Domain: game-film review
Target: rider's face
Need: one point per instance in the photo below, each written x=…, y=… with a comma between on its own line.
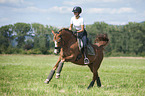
x=76, y=13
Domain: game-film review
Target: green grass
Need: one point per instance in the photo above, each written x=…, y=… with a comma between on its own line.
x=25, y=75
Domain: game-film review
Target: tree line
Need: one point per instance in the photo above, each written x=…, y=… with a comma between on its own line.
x=35, y=38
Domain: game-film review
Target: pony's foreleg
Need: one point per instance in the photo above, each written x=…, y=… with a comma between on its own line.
x=56, y=65
x=58, y=71
x=52, y=71
x=70, y=58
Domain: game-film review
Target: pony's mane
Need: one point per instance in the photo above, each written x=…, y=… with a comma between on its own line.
x=66, y=29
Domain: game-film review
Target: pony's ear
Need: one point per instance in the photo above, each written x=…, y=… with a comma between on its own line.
x=53, y=32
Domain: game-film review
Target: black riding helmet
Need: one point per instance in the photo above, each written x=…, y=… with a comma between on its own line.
x=77, y=9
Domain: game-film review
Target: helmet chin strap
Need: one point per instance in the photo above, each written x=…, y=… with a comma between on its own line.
x=77, y=15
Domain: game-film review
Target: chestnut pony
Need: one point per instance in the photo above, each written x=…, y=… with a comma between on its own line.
x=66, y=42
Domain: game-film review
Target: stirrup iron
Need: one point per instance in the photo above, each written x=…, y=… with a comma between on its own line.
x=86, y=60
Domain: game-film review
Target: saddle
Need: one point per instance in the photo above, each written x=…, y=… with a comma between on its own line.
x=90, y=49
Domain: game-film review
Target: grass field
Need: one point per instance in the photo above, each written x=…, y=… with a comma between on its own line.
x=25, y=75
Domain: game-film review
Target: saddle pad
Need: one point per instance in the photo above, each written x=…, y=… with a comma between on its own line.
x=90, y=49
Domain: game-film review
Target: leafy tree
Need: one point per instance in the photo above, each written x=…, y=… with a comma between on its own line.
x=96, y=28
x=124, y=39
x=43, y=36
x=29, y=44
x=5, y=37
x=21, y=29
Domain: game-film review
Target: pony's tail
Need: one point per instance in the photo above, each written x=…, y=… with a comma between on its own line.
x=101, y=40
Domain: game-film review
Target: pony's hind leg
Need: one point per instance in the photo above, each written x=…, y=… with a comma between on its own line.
x=91, y=84
x=94, y=69
x=98, y=82
x=97, y=78
x=94, y=76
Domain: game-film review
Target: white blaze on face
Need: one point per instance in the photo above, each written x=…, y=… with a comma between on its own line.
x=55, y=44
x=55, y=50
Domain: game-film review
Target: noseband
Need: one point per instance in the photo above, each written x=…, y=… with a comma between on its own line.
x=57, y=48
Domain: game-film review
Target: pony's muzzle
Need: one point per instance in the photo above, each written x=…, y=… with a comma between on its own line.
x=56, y=50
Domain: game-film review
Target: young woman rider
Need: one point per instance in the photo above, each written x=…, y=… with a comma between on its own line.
x=78, y=23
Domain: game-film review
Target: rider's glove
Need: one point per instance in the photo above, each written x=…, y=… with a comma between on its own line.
x=74, y=32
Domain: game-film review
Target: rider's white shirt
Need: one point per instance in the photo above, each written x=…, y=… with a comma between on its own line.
x=77, y=22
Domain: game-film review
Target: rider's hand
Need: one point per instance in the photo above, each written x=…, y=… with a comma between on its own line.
x=75, y=32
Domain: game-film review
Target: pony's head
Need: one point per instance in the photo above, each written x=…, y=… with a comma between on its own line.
x=57, y=41
x=61, y=38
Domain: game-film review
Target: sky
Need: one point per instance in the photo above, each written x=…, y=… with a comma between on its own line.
x=58, y=12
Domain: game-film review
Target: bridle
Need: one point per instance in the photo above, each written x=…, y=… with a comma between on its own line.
x=61, y=41
x=58, y=39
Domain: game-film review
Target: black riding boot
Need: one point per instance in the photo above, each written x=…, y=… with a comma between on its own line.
x=86, y=60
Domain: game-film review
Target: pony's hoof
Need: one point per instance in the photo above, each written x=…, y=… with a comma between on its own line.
x=91, y=85
x=46, y=81
x=57, y=76
x=98, y=82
